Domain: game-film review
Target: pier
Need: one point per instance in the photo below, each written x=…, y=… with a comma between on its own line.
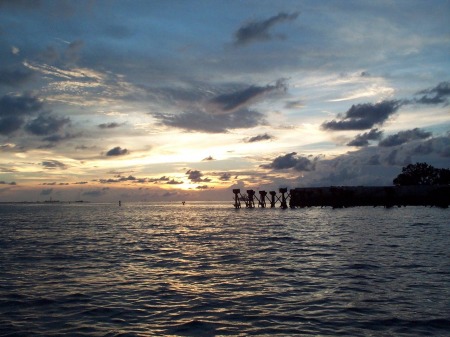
x=347, y=196
x=249, y=199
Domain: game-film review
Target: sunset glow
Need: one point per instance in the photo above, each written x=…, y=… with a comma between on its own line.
x=185, y=100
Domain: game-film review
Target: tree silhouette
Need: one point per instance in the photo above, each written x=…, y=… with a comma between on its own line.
x=422, y=174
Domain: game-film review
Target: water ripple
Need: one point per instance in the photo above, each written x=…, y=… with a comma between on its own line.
x=210, y=270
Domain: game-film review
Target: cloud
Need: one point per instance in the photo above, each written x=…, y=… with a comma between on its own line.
x=14, y=78
x=363, y=139
x=195, y=176
x=204, y=122
x=118, y=180
x=5, y=183
x=258, y=138
x=55, y=183
x=259, y=30
x=46, y=124
x=108, y=125
x=291, y=160
x=7, y=147
x=404, y=137
x=59, y=138
x=117, y=151
x=155, y=180
x=364, y=116
x=294, y=104
x=376, y=165
x=174, y=182
x=14, y=110
x=96, y=193
x=10, y=124
x=437, y=95
x=225, y=176
x=209, y=158
x=7, y=169
x=53, y=164
x=423, y=148
x=47, y=191
x=226, y=103
x=72, y=53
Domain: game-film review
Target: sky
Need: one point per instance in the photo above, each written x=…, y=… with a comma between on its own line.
x=185, y=100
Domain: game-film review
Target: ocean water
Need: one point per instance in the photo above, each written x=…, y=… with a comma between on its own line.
x=206, y=269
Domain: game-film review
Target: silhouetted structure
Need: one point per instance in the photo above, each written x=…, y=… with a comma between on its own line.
x=249, y=198
x=349, y=196
x=387, y=196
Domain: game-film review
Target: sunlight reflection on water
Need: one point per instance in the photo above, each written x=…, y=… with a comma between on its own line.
x=208, y=269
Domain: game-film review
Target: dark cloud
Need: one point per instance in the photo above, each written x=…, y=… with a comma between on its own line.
x=14, y=110
x=154, y=180
x=174, y=182
x=404, y=137
x=225, y=176
x=259, y=30
x=209, y=158
x=46, y=124
x=364, y=116
x=230, y=102
x=291, y=160
x=363, y=139
x=10, y=124
x=437, y=95
x=117, y=151
x=423, y=148
x=5, y=183
x=55, y=183
x=118, y=180
x=195, y=176
x=204, y=122
x=108, y=125
x=14, y=78
x=374, y=160
x=259, y=138
x=394, y=158
x=162, y=179
x=53, y=164
x=202, y=187
x=59, y=138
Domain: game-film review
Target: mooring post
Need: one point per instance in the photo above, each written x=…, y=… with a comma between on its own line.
x=237, y=202
x=283, y=198
x=251, y=202
x=262, y=198
x=272, y=200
